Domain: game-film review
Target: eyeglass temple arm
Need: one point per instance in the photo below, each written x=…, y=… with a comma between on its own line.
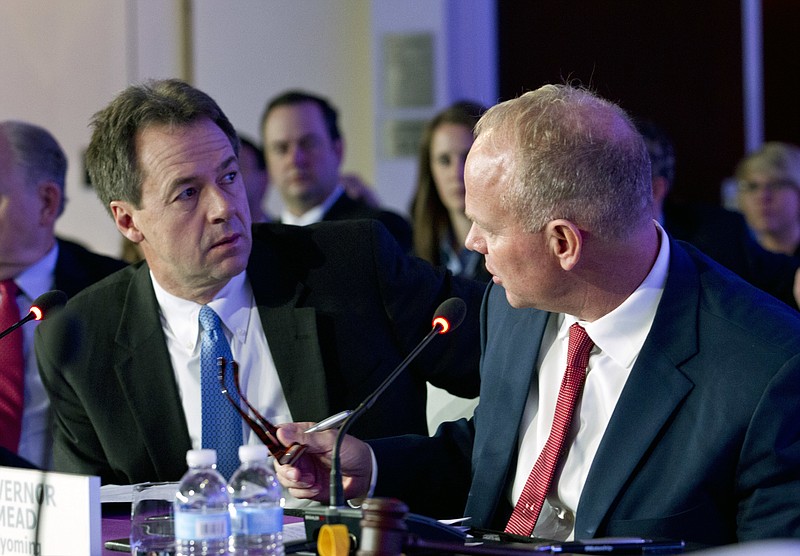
x=271, y=429
x=266, y=431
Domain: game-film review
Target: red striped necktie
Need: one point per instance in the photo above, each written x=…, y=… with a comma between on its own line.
x=12, y=369
x=530, y=502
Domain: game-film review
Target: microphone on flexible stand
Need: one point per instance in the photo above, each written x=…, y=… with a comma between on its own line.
x=448, y=316
x=40, y=309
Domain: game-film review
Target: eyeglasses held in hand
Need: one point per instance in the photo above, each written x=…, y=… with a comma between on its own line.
x=265, y=431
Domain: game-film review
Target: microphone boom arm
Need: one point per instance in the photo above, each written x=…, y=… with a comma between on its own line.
x=336, y=486
x=30, y=316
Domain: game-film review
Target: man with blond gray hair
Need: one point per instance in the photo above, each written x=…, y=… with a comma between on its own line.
x=677, y=414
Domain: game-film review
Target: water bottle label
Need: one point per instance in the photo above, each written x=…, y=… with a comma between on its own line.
x=257, y=521
x=202, y=526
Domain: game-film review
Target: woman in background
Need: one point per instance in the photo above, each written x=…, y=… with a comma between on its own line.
x=437, y=210
x=769, y=196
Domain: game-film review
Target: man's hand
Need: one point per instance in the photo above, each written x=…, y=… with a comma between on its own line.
x=309, y=477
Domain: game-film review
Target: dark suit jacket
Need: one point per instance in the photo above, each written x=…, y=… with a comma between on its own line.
x=341, y=306
x=10, y=459
x=724, y=236
x=346, y=208
x=77, y=267
x=703, y=445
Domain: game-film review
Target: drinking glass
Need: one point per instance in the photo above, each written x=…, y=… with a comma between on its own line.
x=152, y=523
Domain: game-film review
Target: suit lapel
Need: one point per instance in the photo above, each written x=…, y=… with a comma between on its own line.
x=292, y=337
x=146, y=377
x=291, y=332
x=651, y=395
x=512, y=348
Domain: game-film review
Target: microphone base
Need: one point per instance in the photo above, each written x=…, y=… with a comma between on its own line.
x=315, y=517
x=420, y=526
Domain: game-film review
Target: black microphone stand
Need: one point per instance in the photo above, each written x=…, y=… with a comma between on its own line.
x=31, y=315
x=337, y=488
x=39, y=310
x=448, y=317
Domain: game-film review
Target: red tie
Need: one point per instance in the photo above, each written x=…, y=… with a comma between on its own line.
x=12, y=368
x=530, y=502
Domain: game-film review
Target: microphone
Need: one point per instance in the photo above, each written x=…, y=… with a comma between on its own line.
x=40, y=309
x=448, y=316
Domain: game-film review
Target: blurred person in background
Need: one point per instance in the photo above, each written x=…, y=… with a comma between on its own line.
x=304, y=149
x=437, y=209
x=256, y=177
x=721, y=234
x=769, y=196
x=33, y=260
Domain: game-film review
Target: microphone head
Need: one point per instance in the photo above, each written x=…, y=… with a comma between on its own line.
x=450, y=314
x=46, y=302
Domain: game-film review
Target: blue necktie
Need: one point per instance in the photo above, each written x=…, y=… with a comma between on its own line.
x=222, y=426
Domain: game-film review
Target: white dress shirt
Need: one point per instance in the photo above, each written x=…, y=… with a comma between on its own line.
x=241, y=322
x=36, y=441
x=314, y=215
x=618, y=338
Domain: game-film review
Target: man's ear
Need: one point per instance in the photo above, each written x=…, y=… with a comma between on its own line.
x=565, y=241
x=123, y=218
x=50, y=195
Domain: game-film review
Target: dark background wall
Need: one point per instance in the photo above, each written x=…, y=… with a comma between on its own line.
x=782, y=70
x=677, y=63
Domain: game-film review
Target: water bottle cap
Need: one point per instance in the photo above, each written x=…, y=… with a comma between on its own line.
x=252, y=452
x=205, y=458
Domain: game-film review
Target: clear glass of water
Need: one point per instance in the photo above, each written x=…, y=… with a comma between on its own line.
x=152, y=522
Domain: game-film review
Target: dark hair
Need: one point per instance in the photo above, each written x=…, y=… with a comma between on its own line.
x=37, y=153
x=294, y=97
x=256, y=149
x=111, y=158
x=430, y=220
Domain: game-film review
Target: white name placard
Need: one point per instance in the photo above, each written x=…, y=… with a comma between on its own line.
x=49, y=514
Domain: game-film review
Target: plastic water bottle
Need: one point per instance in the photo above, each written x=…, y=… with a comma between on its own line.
x=256, y=511
x=202, y=519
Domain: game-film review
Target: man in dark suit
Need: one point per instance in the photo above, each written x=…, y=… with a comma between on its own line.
x=304, y=150
x=686, y=424
x=33, y=170
x=315, y=316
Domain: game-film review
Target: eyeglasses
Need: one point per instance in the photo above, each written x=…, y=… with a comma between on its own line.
x=771, y=186
x=265, y=431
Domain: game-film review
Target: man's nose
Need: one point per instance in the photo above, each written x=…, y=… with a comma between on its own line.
x=474, y=240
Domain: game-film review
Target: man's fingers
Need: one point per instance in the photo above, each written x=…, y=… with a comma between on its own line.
x=304, y=493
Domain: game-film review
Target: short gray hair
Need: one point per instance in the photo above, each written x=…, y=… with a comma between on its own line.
x=577, y=157
x=37, y=153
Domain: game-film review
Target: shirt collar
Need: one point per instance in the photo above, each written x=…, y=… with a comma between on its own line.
x=622, y=332
x=315, y=214
x=40, y=276
x=232, y=303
